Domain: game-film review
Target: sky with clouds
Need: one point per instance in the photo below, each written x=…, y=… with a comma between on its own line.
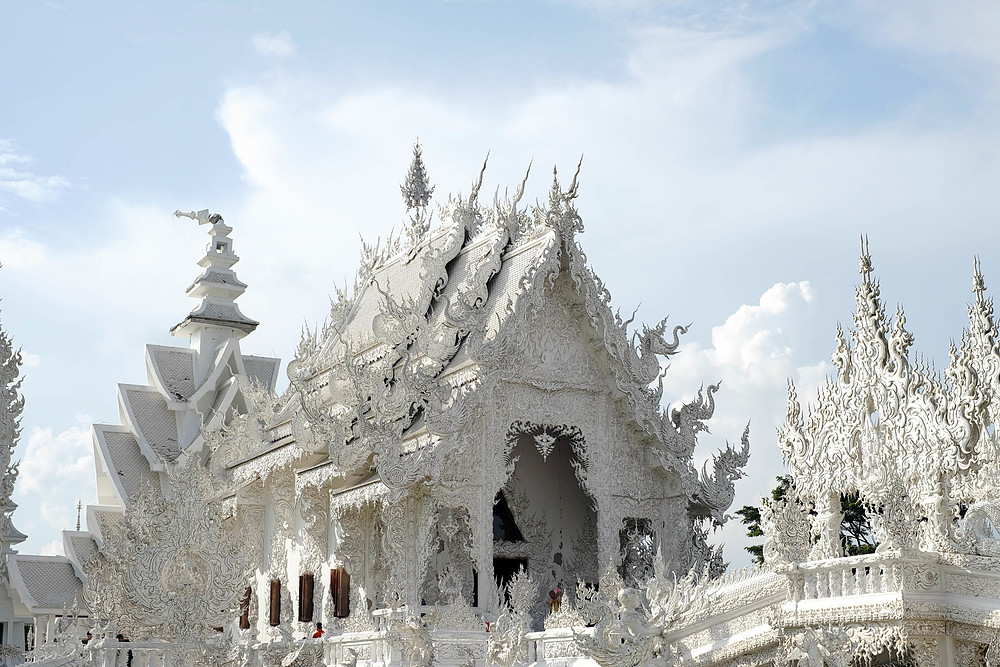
x=734, y=152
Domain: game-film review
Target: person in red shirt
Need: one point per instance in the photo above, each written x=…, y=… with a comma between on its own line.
x=319, y=631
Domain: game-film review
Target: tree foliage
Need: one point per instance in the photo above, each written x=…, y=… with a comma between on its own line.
x=855, y=529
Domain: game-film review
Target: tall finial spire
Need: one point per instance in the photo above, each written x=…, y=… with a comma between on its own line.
x=217, y=315
x=79, y=509
x=978, y=284
x=866, y=260
x=416, y=189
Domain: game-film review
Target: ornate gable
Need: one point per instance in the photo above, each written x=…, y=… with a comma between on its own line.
x=558, y=346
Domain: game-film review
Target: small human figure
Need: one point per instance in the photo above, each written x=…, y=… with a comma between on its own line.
x=555, y=599
x=87, y=640
x=121, y=639
x=319, y=631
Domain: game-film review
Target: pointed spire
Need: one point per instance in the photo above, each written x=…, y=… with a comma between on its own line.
x=978, y=284
x=474, y=194
x=79, y=509
x=217, y=287
x=866, y=260
x=574, y=187
x=416, y=189
x=555, y=192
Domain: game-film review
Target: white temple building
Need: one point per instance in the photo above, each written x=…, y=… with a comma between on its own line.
x=472, y=466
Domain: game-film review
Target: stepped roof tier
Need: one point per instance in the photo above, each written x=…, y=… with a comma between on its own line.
x=190, y=391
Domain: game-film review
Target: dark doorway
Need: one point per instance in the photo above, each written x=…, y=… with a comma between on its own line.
x=504, y=570
x=504, y=527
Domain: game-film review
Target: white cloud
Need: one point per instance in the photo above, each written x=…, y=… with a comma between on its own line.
x=753, y=352
x=17, y=180
x=966, y=28
x=53, y=548
x=20, y=253
x=273, y=44
x=56, y=471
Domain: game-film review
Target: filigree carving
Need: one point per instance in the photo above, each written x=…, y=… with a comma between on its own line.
x=787, y=533
x=507, y=644
x=172, y=568
x=913, y=445
x=408, y=635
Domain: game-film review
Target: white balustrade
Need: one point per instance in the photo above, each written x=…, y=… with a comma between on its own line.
x=851, y=577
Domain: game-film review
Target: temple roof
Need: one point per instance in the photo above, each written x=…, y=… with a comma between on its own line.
x=173, y=369
x=80, y=547
x=191, y=390
x=45, y=583
x=129, y=470
x=433, y=310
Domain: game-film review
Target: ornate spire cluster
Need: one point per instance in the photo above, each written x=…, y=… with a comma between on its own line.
x=910, y=441
x=417, y=189
x=217, y=287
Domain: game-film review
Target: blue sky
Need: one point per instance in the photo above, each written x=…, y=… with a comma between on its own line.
x=734, y=152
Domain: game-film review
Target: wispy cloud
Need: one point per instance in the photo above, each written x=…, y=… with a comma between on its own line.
x=53, y=548
x=17, y=179
x=273, y=43
x=57, y=470
x=20, y=253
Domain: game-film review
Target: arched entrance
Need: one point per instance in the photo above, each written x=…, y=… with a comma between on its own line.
x=543, y=518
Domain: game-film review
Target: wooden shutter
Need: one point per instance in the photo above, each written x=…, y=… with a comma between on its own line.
x=245, y=609
x=305, y=598
x=340, y=591
x=275, y=618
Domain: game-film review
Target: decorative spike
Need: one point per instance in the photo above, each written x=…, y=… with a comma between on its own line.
x=520, y=190
x=474, y=194
x=555, y=193
x=978, y=284
x=574, y=187
x=866, y=260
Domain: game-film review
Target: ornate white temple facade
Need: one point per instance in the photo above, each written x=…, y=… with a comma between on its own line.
x=471, y=466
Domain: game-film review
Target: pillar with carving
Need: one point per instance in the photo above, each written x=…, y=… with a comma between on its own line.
x=826, y=527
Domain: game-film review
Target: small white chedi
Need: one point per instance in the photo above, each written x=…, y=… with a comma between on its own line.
x=471, y=466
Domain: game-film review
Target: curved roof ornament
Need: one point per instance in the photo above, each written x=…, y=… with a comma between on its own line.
x=202, y=217
x=474, y=193
x=574, y=187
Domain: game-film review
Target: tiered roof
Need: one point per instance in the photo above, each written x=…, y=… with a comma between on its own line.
x=435, y=311
x=189, y=389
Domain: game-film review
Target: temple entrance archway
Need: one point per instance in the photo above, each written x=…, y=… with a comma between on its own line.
x=543, y=517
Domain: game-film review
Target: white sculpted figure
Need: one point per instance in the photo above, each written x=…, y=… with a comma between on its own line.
x=202, y=217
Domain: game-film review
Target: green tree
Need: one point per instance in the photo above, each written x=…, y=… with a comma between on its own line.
x=750, y=516
x=855, y=529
